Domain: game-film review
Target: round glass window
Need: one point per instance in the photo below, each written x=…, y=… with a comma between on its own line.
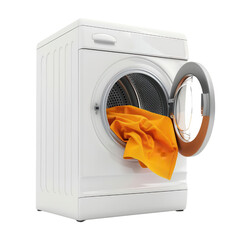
x=188, y=109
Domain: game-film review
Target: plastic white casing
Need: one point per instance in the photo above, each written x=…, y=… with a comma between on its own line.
x=77, y=175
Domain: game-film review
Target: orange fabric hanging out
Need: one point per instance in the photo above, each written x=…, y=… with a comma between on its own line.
x=149, y=137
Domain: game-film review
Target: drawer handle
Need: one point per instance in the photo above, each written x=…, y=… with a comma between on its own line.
x=103, y=38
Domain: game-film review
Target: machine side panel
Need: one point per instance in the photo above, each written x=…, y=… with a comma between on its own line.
x=57, y=122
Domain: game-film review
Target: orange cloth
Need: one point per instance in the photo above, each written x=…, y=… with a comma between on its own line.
x=149, y=137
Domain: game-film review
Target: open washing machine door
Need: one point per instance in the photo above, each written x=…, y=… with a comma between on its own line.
x=192, y=108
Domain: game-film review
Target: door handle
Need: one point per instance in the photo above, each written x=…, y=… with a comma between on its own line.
x=103, y=38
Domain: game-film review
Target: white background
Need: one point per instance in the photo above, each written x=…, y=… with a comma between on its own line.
x=213, y=32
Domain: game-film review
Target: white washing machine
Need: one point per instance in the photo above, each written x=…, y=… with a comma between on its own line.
x=87, y=67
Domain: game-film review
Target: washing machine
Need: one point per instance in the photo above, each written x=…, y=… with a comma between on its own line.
x=88, y=67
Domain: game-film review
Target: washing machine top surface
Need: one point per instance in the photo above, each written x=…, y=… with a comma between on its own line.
x=112, y=34
x=126, y=28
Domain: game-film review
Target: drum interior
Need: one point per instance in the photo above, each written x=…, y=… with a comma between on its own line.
x=141, y=91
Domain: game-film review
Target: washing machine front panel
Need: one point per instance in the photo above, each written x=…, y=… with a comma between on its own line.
x=192, y=108
x=102, y=168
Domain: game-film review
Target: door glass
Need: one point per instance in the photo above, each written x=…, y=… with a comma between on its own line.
x=187, y=109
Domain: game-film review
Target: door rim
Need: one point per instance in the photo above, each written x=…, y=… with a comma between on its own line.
x=200, y=141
